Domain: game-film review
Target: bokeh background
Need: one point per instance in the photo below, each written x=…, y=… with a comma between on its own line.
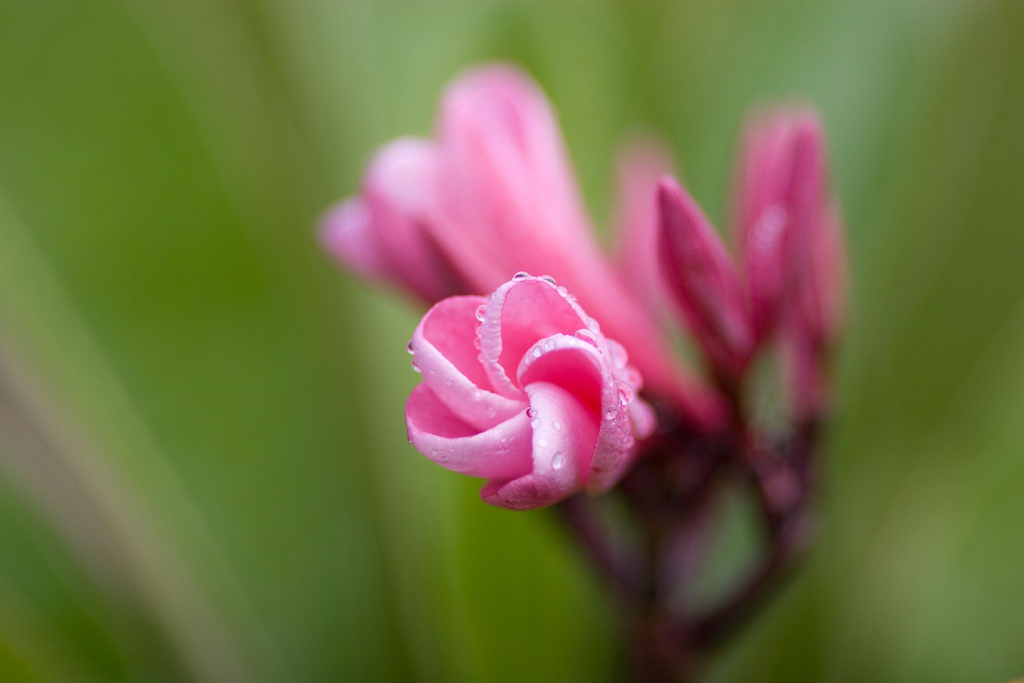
x=203, y=466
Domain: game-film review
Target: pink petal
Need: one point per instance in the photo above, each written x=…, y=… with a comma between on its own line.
x=346, y=232
x=699, y=274
x=582, y=369
x=561, y=456
x=401, y=191
x=641, y=164
x=443, y=350
x=507, y=166
x=502, y=452
x=519, y=313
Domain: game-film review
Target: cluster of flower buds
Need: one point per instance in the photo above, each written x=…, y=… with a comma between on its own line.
x=567, y=382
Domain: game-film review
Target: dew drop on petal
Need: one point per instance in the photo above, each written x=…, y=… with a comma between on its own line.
x=542, y=443
x=530, y=412
x=556, y=425
x=593, y=325
x=521, y=275
x=586, y=336
x=547, y=278
x=416, y=367
x=408, y=347
x=562, y=290
x=618, y=354
x=481, y=311
x=537, y=352
x=609, y=414
x=535, y=423
x=549, y=345
x=625, y=392
x=476, y=343
x=558, y=460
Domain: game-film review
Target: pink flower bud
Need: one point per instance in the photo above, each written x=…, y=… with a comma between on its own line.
x=780, y=203
x=700, y=276
x=522, y=389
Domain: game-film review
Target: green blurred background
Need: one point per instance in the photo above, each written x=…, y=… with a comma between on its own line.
x=203, y=466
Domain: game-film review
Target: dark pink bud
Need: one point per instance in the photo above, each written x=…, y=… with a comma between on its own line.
x=780, y=202
x=700, y=276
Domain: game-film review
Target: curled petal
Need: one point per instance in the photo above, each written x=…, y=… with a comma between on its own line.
x=444, y=351
x=700, y=276
x=561, y=456
x=501, y=452
x=518, y=314
x=580, y=367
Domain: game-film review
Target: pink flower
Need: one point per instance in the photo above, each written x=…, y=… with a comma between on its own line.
x=492, y=194
x=524, y=389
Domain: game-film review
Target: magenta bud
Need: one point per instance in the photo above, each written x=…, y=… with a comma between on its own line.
x=699, y=275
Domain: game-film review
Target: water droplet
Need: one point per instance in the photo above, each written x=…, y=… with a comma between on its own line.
x=562, y=290
x=542, y=443
x=586, y=336
x=547, y=278
x=408, y=347
x=521, y=275
x=448, y=381
x=477, y=395
x=558, y=460
x=625, y=392
x=535, y=422
x=609, y=414
x=530, y=412
x=476, y=343
x=415, y=366
x=549, y=345
x=618, y=354
x=536, y=352
x=556, y=425
x=481, y=311
x=593, y=325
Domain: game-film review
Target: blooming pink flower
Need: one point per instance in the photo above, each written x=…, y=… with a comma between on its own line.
x=492, y=194
x=524, y=389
